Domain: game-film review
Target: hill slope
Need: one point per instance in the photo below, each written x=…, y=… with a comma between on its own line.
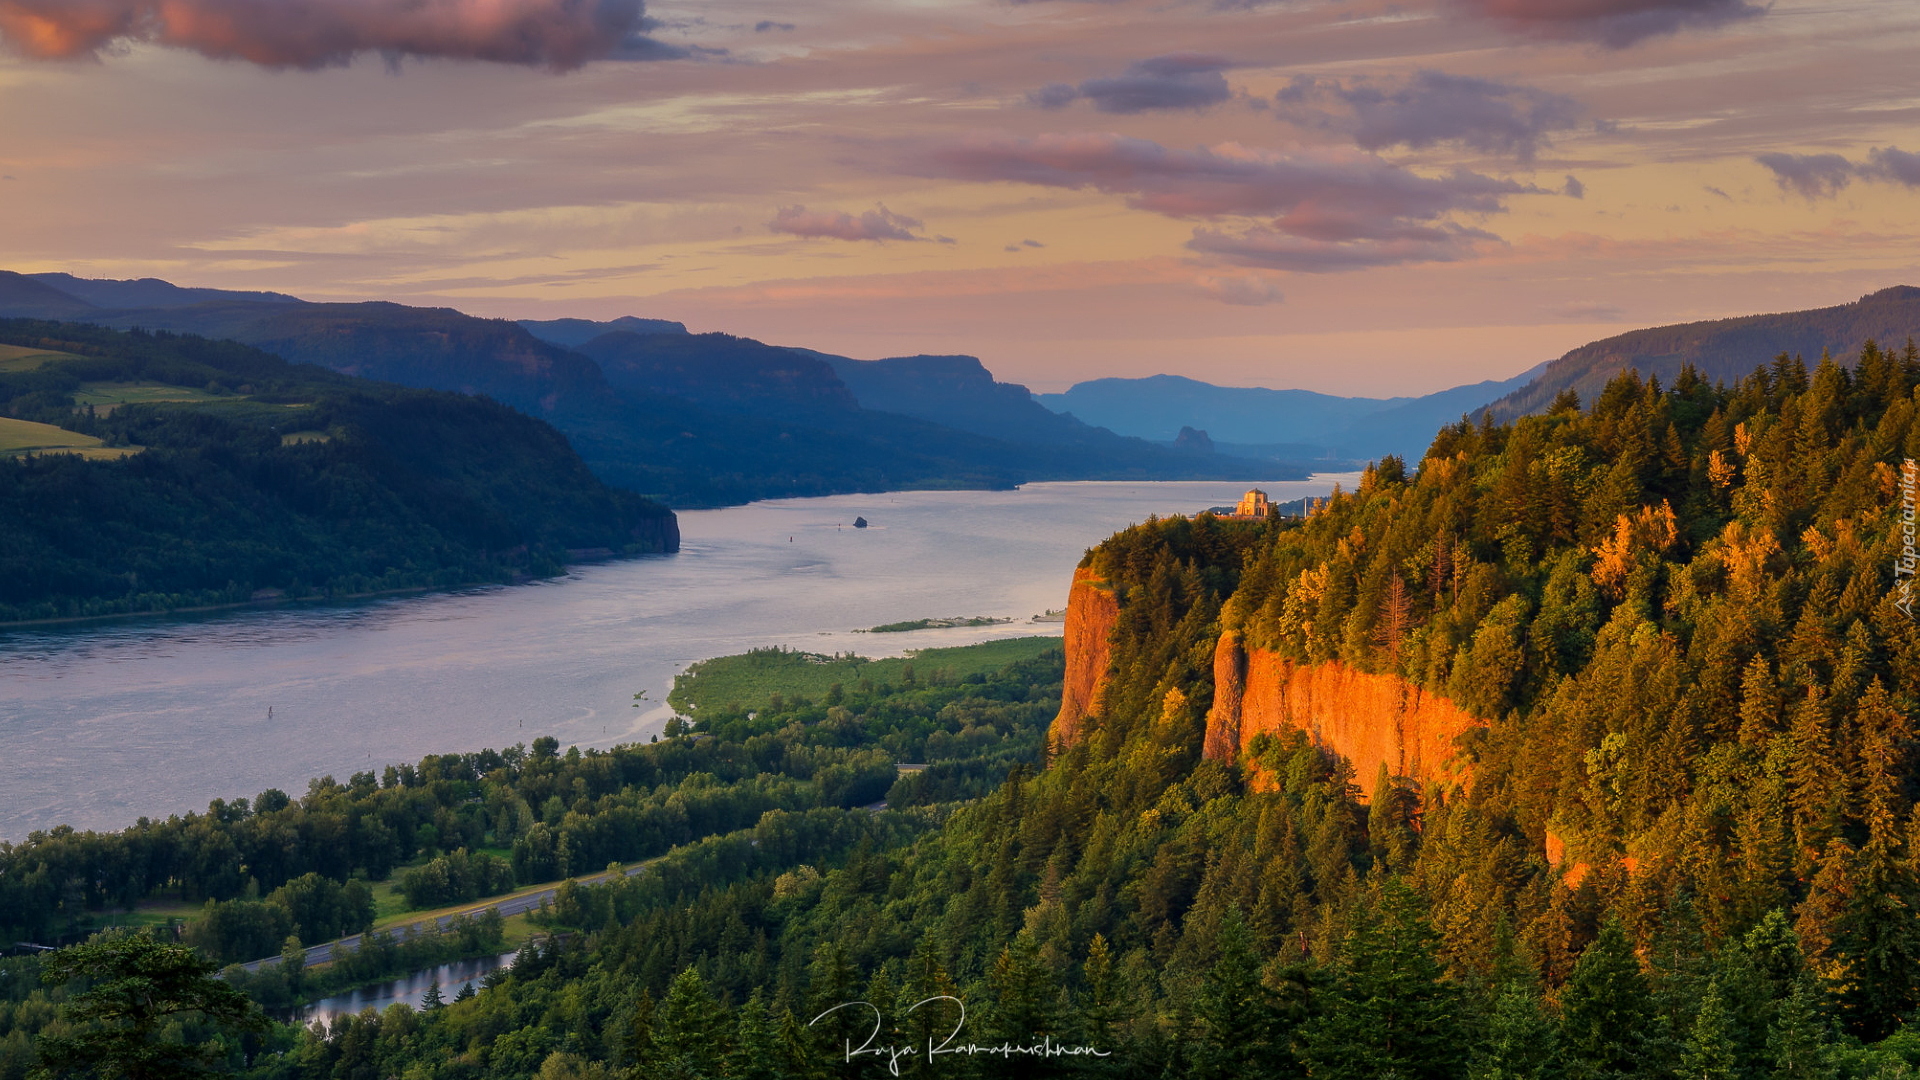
x=1725, y=349
x=256, y=474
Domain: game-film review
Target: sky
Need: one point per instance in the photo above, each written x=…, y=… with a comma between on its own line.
x=1381, y=197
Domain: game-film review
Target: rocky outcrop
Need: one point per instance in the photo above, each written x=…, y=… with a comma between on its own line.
x=1092, y=609
x=1368, y=719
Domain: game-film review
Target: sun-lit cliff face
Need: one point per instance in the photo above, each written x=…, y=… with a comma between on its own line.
x=1370, y=720
x=1092, y=610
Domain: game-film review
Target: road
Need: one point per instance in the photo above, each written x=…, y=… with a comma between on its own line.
x=512, y=905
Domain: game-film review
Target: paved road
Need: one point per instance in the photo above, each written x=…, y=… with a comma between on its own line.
x=513, y=905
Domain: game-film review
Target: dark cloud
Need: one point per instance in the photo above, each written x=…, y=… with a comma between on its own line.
x=877, y=224
x=1573, y=188
x=765, y=25
x=1615, y=24
x=1893, y=165
x=1814, y=176
x=1823, y=176
x=1327, y=212
x=1176, y=81
x=556, y=34
x=1428, y=108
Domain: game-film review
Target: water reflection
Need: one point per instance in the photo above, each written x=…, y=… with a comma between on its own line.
x=409, y=990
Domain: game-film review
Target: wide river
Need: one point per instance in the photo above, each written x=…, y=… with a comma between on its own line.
x=105, y=722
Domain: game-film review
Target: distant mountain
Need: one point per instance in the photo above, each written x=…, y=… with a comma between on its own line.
x=1725, y=350
x=960, y=392
x=1158, y=406
x=150, y=292
x=722, y=371
x=572, y=333
x=23, y=297
x=694, y=420
x=1293, y=425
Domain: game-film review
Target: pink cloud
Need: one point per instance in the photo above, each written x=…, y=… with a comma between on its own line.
x=876, y=224
x=1328, y=211
x=1613, y=23
x=557, y=34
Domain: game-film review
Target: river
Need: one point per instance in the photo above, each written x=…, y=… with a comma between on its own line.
x=109, y=721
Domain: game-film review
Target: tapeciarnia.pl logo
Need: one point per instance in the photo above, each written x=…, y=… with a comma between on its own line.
x=1907, y=561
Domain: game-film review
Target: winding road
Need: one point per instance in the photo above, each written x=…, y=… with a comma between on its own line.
x=513, y=905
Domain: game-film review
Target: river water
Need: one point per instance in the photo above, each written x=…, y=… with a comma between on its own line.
x=106, y=722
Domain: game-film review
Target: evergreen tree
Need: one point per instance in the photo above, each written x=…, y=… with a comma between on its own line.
x=687, y=1029
x=1710, y=1051
x=1239, y=1015
x=1606, y=1009
x=135, y=988
x=1797, y=1039
x=1519, y=1042
x=1388, y=1012
x=432, y=1000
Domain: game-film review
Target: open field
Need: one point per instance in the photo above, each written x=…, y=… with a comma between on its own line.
x=106, y=396
x=25, y=437
x=751, y=679
x=28, y=357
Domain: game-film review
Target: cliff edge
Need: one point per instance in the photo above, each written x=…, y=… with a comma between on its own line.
x=1371, y=720
x=1092, y=610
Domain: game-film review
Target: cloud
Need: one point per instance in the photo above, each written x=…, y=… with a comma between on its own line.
x=1246, y=290
x=1823, y=176
x=1328, y=211
x=1280, y=249
x=1814, y=176
x=1573, y=188
x=1175, y=81
x=765, y=25
x=555, y=34
x=1428, y=108
x=877, y=224
x=1615, y=24
x=1893, y=165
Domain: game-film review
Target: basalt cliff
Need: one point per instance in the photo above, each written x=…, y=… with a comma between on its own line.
x=1370, y=720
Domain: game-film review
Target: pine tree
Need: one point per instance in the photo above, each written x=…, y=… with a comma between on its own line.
x=1240, y=1018
x=687, y=1028
x=1797, y=1041
x=432, y=1000
x=1388, y=1013
x=1519, y=1042
x=755, y=1050
x=1607, y=1008
x=1709, y=1052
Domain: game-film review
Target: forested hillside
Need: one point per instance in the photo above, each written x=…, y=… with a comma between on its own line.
x=222, y=472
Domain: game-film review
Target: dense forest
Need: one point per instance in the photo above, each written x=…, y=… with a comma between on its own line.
x=1673, y=612
x=256, y=476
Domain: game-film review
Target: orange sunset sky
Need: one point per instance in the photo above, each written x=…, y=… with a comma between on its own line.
x=1355, y=197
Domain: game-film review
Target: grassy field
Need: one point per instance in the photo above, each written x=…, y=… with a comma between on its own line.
x=25, y=436
x=26, y=357
x=933, y=624
x=105, y=397
x=750, y=679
